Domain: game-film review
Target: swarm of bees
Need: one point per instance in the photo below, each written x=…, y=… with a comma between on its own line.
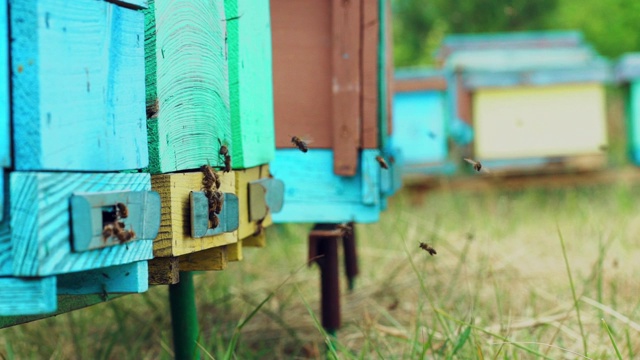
x=300, y=144
x=382, y=162
x=215, y=197
x=426, y=247
x=116, y=227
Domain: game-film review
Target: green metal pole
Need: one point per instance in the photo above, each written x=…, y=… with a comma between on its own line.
x=184, y=318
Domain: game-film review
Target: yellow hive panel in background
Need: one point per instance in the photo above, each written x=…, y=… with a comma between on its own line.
x=542, y=121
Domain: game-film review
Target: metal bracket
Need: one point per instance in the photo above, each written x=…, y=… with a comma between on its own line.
x=229, y=216
x=88, y=214
x=265, y=195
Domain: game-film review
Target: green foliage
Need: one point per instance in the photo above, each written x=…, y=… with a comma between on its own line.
x=420, y=26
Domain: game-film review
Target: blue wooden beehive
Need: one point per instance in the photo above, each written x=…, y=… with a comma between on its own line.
x=628, y=73
x=526, y=104
x=78, y=105
x=421, y=126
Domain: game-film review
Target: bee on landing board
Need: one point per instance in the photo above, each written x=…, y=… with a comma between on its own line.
x=477, y=166
x=224, y=151
x=382, y=162
x=426, y=247
x=300, y=144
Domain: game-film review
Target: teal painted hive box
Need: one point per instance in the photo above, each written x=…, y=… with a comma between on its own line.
x=420, y=122
x=78, y=107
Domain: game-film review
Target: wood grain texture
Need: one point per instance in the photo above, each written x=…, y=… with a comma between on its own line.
x=383, y=79
x=5, y=141
x=77, y=72
x=174, y=237
x=250, y=82
x=313, y=193
x=121, y=279
x=27, y=296
x=6, y=262
x=345, y=104
x=187, y=84
x=302, y=80
x=66, y=303
x=164, y=271
x=205, y=260
x=40, y=222
x=243, y=177
x=370, y=28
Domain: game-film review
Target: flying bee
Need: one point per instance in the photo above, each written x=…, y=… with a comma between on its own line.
x=477, y=166
x=300, y=144
x=122, y=210
x=426, y=247
x=382, y=162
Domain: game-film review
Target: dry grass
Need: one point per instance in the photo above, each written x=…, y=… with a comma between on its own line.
x=498, y=288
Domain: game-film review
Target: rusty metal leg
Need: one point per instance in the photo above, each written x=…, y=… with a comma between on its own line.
x=350, y=255
x=325, y=237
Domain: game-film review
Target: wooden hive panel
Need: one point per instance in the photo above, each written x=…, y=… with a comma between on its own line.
x=174, y=238
x=41, y=227
x=77, y=72
x=250, y=82
x=187, y=84
x=547, y=121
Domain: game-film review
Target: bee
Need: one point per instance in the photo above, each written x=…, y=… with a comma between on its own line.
x=219, y=197
x=426, y=247
x=107, y=232
x=127, y=235
x=224, y=151
x=477, y=166
x=227, y=163
x=259, y=227
x=300, y=144
x=382, y=162
x=346, y=228
x=122, y=210
x=209, y=176
x=213, y=218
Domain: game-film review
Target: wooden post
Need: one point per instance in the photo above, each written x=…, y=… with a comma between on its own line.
x=323, y=246
x=184, y=319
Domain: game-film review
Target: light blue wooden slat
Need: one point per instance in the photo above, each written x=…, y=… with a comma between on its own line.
x=521, y=59
x=370, y=171
x=122, y=279
x=420, y=126
x=78, y=74
x=27, y=296
x=597, y=71
x=313, y=193
x=199, y=206
x=40, y=219
x=5, y=152
x=628, y=67
x=66, y=303
x=143, y=217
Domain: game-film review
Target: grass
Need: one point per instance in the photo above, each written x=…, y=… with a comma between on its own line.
x=497, y=289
